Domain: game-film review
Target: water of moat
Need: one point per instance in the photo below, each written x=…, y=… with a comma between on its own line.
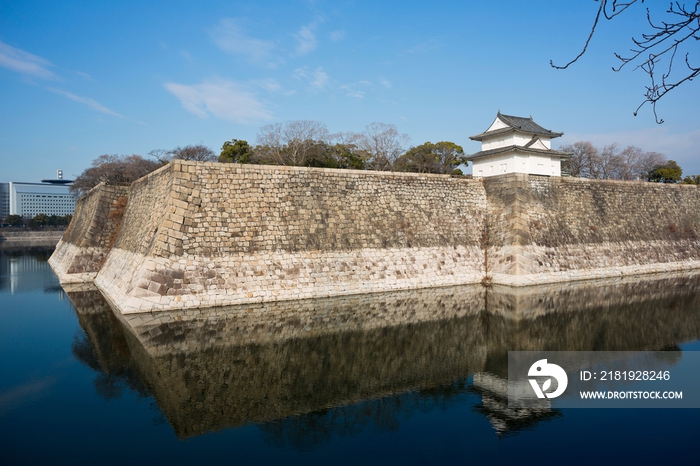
x=410, y=377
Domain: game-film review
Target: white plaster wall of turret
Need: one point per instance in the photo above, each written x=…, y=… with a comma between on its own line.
x=511, y=139
x=513, y=162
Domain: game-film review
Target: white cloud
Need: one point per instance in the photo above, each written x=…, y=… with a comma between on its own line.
x=320, y=79
x=306, y=40
x=93, y=104
x=300, y=73
x=352, y=92
x=222, y=98
x=335, y=36
x=15, y=396
x=229, y=36
x=270, y=85
x=25, y=63
x=422, y=48
x=84, y=75
x=386, y=83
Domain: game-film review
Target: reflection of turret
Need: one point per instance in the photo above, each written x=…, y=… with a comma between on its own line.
x=292, y=365
x=494, y=405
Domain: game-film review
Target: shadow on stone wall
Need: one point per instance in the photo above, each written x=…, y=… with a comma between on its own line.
x=309, y=370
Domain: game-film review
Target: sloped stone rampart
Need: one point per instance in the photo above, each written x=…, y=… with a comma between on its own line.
x=209, y=234
x=552, y=229
x=199, y=235
x=89, y=237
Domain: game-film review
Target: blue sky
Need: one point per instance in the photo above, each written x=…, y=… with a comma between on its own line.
x=79, y=79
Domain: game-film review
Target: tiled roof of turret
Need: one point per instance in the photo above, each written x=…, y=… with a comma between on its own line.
x=520, y=124
x=522, y=149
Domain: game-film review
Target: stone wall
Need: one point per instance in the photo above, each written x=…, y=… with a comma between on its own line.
x=88, y=239
x=209, y=234
x=27, y=239
x=552, y=229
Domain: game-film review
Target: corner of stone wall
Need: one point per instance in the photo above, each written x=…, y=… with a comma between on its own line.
x=93, y=229
x=508, y=197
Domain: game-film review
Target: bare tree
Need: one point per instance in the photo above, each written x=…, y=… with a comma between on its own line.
x=161, y=156
x=194, y=153
x=629, y=163
x=383, y=143
x=582, y=155
x=114, y=170
x=673, y=34
x=648, y=162
x=308, y=143
x=191, y=152
x=611, y=163
x=292, y=142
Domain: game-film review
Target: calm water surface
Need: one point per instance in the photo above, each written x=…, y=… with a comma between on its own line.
x=409, y=378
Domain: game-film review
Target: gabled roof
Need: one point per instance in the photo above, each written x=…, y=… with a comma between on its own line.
x=516, y=124
x=534, y=142
x=521, y=149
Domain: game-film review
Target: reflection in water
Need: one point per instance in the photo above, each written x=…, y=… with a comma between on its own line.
x=307, y=430
x=493, y=391
x=309, y=370
x=27, y=269
x=100, y=345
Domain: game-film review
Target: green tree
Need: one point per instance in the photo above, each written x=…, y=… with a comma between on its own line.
x=323, y=155
x=236, y=151
x=691, y=179
x=39, y=220
x=442, y=157
x=349, y=156
x=14, y=220
x=667, y=173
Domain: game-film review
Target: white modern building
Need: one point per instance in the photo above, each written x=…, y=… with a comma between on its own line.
x=50, y=197
x=30, y=199
x=516, y=145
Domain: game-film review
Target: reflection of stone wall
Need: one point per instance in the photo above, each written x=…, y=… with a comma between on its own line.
x=90, y=235
x=103, y=346
x=209, y=369
x=208, y=234
x=551, y=229
x=199, y=391
x=101, y=326
x=265, y=323
x=606, y=316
